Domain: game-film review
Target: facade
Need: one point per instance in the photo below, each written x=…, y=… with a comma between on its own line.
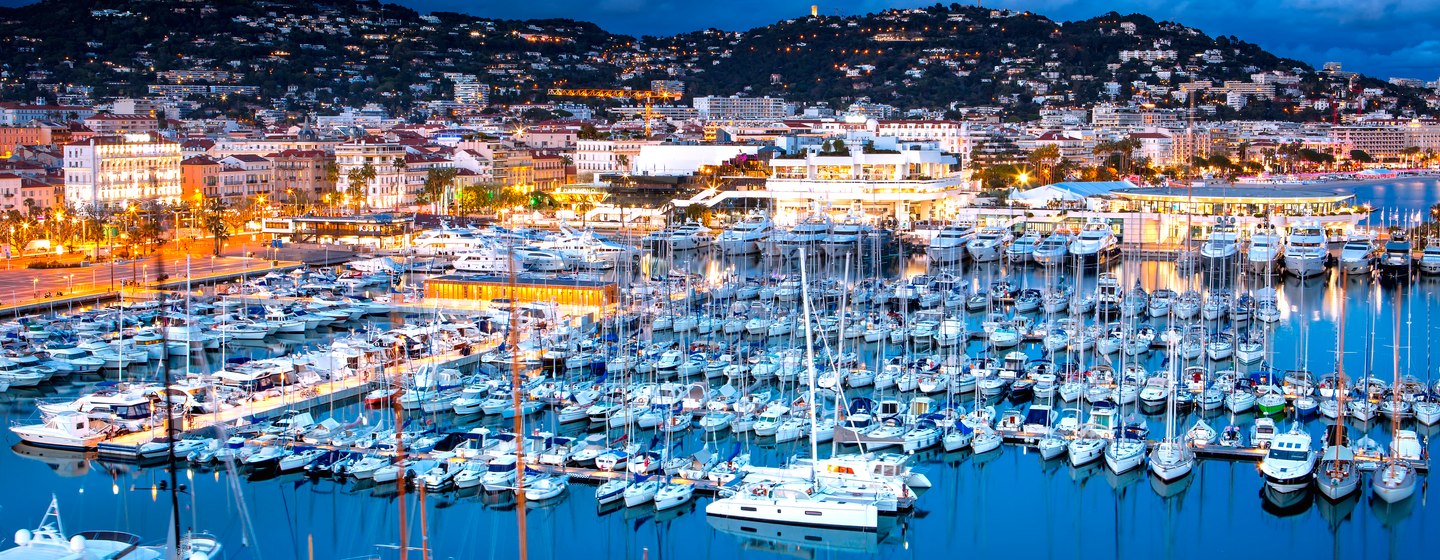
x=389, y=187
x=301, y=175
x=597, y=157
x=199, y=178
x=245, y=176
x=107, y=123
x=716, y=108
x=903, y=185
x=1376, y=140
x=12, y=114
x=118, y=170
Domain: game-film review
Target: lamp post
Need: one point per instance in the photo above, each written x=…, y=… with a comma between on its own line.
x=35, y=288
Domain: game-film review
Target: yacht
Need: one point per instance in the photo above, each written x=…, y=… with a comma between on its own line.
x=588, y=250
x=1305, y=253
x=948, y=246
x=49, y=542
x=747, y=236
x=809, y=233
x=989, y=244
x=794, y=503
x=70, y=430
x=1430, y=258
x=850, y=234
x=688, y=237
x=1397, y=261
x=485, y=260
x=1096, y=242
x=446, y=241
x=1052, y=250
x=1266, y=246
x=1223, y=244
x=1022, y=250
x=1290, y=463
x=1357, y=255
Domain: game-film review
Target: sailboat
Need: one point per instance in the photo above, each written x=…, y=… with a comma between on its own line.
x=1396, y=478
x=1337, y=476
x=1172, y=458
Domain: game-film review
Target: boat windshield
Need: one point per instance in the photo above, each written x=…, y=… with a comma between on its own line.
x=1287, y=455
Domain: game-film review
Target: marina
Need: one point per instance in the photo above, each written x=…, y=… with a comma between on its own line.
x=973, y=376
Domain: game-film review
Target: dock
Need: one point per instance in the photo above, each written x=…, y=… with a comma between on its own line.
x=127, y=447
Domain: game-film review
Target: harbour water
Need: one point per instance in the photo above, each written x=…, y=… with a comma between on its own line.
x=1009, y=503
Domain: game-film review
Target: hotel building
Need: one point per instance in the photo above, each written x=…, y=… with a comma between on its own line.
x=118, y=170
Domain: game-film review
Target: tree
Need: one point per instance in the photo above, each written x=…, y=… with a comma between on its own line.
x=437, y=183
x=589, y=132
x=160, y=121
x=1361, y=156
x=359, y=180
x=212, y=220
x=1043, y=159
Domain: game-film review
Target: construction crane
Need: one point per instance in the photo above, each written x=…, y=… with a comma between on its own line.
x=645, y=95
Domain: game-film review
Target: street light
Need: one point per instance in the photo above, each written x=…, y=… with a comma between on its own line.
x=34, y=287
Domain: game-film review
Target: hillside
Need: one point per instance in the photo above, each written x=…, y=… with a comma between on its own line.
x=313, y=56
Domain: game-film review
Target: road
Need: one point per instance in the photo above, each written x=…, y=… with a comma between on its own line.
x=23, y=285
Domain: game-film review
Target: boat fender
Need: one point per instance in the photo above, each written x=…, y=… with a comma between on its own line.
x=22, y=537
x=77, y=544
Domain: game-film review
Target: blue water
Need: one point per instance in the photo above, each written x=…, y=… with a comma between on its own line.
x=1411, y=194
x=1004, y=504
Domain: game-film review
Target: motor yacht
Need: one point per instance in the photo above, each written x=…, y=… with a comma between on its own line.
x=1397, y=261
x=747, y=236
x=1053, y=249
x=1358, y=254
x=1022, y=250
x=1266, y=247
x=949, y=245
x=1305, y=254
x=1095, y=243
x=989, y=244
x=1290, y=463
x=851, y=234
x=1223, y=245
x=809, y=233
x=1430, y=257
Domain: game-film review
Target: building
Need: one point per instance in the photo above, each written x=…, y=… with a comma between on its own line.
x=548, y=170
x=738, y=108
x=676, y=87
x=467, y=89
x=199, y=178
x=34, y=133
x=685, y=159
x=302, y=176
x=388, y=188
x=245, y=176
x=119, y=123
x=119, y=170
x=598, y=157
x=1376, y=140
x=888, y=182
x=12, y=114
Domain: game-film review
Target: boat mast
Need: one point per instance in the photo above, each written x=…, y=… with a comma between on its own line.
x=809, y=360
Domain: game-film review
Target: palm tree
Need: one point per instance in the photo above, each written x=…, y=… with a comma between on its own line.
x=359, y=180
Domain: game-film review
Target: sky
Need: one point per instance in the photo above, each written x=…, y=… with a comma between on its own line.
x=1383, y=38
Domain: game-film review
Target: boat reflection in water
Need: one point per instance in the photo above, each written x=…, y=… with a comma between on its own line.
x=796, y=540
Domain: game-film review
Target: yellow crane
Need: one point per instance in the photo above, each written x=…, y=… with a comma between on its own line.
x=644, y=95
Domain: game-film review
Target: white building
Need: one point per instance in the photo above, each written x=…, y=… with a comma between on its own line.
x=595, y=157
x=737, y=108
x=389, y=188
x=681, y=159
x=119, y=170
x=468, y=89
x=890, y=181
